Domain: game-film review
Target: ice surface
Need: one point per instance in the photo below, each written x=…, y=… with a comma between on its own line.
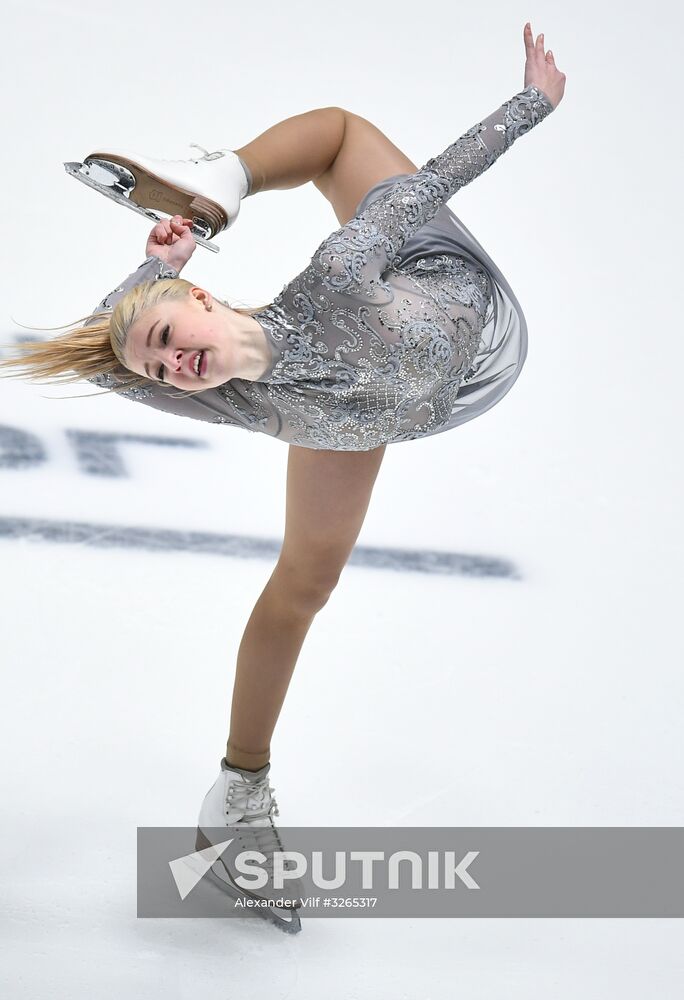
x=504, y=647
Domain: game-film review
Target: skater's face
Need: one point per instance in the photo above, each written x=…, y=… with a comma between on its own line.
x=164, y=342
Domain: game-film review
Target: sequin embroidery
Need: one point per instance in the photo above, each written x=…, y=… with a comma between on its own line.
x=369, y=350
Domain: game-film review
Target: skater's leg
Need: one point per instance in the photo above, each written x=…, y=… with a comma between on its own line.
x=365, y=158
x=268, y=652
x=328, y=493
x=295, y=150
x=344, y=155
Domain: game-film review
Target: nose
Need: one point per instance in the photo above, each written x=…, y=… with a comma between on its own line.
x=175, y=358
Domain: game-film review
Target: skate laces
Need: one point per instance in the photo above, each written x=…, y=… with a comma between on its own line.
x=207, y=155
x=253, y=798
x=255, y=801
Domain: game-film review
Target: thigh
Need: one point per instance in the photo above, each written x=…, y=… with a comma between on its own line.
x=327, y=496
x=365, y=157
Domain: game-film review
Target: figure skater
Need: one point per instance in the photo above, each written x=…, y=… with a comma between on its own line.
x=400, y=327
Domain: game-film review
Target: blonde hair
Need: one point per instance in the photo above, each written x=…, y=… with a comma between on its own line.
x=97, y=348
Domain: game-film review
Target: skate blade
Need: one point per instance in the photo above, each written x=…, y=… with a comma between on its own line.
x=118, y=185
x=150, y=191
x=290, y=925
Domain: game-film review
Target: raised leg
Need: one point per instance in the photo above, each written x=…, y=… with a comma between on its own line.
x=294, y=151
x=328, y=493
x=366, y=157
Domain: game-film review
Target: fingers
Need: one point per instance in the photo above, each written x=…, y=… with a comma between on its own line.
x=529, y=41
x=530, y=45
x=169, y=229
x=536, y=55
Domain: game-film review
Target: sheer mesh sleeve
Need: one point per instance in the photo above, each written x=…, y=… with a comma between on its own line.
x=358, y=253
x=201, y=405
x=151, y=269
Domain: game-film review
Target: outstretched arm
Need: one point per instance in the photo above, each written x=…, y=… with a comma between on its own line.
x=356, y=255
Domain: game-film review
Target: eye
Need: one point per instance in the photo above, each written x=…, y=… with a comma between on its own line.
x=164, y=340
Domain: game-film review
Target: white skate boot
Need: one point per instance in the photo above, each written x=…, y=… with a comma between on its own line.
x=240, y=804
x=207, y=189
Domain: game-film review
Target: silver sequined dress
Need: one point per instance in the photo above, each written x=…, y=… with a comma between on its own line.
x=401, y=326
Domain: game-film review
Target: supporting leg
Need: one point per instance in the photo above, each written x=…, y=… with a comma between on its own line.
x=294, y=151
x=268, y=653
x=328, y=493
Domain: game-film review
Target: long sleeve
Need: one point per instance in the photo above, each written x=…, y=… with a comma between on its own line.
x=151, y=269
x=160, y=397
x=358, y=253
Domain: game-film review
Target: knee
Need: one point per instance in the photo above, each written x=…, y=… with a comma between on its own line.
x=305, y=590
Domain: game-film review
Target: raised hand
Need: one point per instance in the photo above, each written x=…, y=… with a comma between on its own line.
x=172, y=241
x=541, y=69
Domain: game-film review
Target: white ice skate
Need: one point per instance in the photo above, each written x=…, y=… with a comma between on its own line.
x=242, y=801
x=207, y=189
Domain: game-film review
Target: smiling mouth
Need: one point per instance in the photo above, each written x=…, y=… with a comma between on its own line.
x=198, y=363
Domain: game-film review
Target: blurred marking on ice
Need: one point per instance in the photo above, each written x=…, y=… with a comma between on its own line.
x=246, y=546
x=98, y=453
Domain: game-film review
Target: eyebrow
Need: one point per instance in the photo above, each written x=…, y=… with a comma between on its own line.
x=147, y=344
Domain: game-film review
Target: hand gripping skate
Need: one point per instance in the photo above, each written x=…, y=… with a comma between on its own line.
x=207, y=189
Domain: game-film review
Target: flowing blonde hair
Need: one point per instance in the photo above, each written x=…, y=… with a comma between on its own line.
x=97, y=348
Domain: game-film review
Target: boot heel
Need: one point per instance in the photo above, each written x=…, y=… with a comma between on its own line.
x=201, y=841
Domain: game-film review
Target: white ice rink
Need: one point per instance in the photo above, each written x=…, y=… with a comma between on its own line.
x=543, y=688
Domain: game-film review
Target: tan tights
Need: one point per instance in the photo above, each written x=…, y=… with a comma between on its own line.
x=295, y=151
x=288, y=154
x=270, y=646
x=327, y=496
